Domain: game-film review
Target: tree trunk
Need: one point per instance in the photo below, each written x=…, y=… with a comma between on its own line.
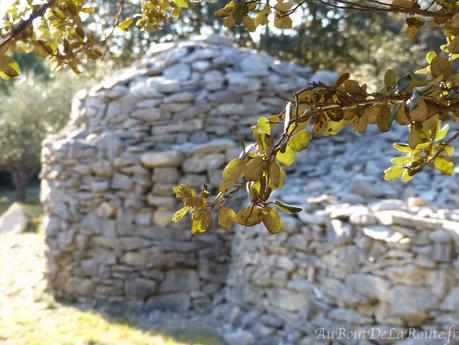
x=20, y=181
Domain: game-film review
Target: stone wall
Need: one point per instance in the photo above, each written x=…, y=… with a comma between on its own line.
x=385, y=265
x=107, y=180
x=363, y=253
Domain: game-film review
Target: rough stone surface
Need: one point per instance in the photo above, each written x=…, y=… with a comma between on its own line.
x=363, y=253
x=175, y=118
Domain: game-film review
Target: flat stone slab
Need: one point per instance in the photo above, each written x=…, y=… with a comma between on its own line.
x=14, y=220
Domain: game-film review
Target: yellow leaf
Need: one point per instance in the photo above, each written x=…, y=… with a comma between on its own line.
x=413, y=137
x=229, y=22
x=9, y=68
x=276, y=175
x=442, y=132
x=393, y=173
x=300, y=141
x=403, y=3
x=234, y=169
x=453, y=46
x=182, y=3
x=183, y=191
x=179, y=214
x=283, y=6
x=226, y=11
x=440, y=66
x=390, y=78
x=249, y=23
x=271, y=220
x=288, y=157
x=383, y=120
x=406, y=177
x=263, y=125
x=420, y=113
x=254, y=169
x=125, y=24
x=444, y=165
x=201, y=221
x=249, y=216
x=226, y=217
x=226, y=185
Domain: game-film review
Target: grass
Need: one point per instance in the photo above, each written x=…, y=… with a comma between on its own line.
x=31, y=316
x=71, y=326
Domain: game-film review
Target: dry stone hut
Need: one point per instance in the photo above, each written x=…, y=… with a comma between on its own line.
x=174, y=118
x=365, y=254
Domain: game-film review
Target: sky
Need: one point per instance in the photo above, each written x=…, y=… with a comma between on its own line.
x=4, y=5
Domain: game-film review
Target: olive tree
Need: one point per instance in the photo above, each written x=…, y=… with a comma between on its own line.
x=34, y=109
x=423, y=100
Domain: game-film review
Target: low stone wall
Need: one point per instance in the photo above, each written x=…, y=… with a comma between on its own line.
x=107, y=179
x=353, y=267
x=125, y=248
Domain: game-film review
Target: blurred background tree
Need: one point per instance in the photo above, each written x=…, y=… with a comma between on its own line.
x=40, y=105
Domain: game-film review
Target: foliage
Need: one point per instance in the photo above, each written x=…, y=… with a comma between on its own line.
x=39, y=107
x=422, y=104
x=423, y=101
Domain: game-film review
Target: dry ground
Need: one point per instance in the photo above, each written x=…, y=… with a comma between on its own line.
x=30, y=316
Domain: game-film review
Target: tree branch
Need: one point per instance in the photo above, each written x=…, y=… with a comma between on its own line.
x=19, y=28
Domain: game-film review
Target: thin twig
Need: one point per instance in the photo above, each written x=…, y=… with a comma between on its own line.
x=19, y=28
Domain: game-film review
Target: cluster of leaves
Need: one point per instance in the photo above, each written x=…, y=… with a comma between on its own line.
x=421, y=101
x=238, y=12
x=54, y=30
x=154, y=13
x=322, y=110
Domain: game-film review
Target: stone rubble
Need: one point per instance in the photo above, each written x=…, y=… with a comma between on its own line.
x=363, y=253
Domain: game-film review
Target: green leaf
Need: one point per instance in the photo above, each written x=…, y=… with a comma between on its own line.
x=288, y=157
x=300, y=141
x=393, y=173
x=444, y=165
x=9, y=68
x=180, y=214
x=286, y=208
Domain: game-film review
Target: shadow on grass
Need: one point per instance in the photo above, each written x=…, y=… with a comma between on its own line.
x=113, y=326
x=31, y=316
